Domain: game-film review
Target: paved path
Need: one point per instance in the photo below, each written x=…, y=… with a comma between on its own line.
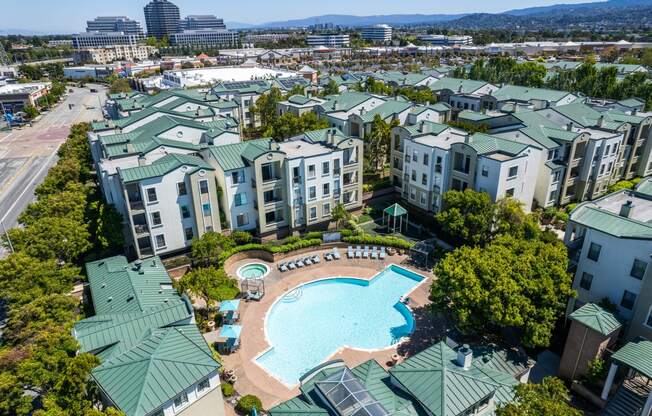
x=27, y=153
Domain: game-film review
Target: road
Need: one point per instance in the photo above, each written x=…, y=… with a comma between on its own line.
x=26, y=154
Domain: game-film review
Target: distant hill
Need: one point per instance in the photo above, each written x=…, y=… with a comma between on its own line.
x=353, y=21
x=565, y=7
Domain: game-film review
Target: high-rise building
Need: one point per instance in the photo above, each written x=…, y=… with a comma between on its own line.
x=162, y=18
x=198, y=22
x=114, y=24
x=377, y=33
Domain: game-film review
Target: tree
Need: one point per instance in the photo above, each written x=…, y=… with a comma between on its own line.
x=70, y=203
x=510, y=219
x=339, y=214
x=207, y=248
x=266, y=106
x=331, y=88
x=510, y=283
x=120, y=85
x=378, y=143
x=30, y=112
x=65, y=172
x=105, y=228
x=549, y=398
x=209, y=284
x=467, y=217
x=42, y=314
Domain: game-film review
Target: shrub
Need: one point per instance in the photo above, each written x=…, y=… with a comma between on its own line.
x=241, y=237
x=227, y=390
x=596, y=371
x=313, y=235
x=378, y=240
x=247, y=403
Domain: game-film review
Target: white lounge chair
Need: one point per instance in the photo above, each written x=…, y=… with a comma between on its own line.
x=328, y=256
x=307, y=261
x=365, y=254
x=374, y=252
x=291, y=265
x=283, y=267
x=383, y=253
x=358, y=252
x=336, y=254
x=300, y=263
x=349, y=252
x=316, y=259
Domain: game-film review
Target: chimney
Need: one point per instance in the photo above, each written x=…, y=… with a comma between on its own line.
x=569, y=126
x=600, y=121
x=335, y=105
x=464, y=356
x=138, y=264
x=421, y=126
x=626, y=209
x=362, y=111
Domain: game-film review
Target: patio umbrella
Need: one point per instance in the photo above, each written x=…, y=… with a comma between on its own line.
x=229, y=305
x=254, y=412
x=231, y=331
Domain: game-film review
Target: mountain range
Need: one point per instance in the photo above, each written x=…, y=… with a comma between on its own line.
x=517, y=17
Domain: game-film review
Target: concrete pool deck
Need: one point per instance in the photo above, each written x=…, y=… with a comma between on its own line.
x=253, y=379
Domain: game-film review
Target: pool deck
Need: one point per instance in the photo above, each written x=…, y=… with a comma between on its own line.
x=253, y=379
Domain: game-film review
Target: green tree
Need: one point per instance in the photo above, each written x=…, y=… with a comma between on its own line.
x=331, y=88
x=378, y=142
x=209, y=284
x=549, y=398
x=61, y=175
x=44, y=313
x=510, y=283
x=467, y=217
x=510, y=219
x=69, y=203
x=207, y=248
x=30, y=112
x=120, y=85
x=340, y=215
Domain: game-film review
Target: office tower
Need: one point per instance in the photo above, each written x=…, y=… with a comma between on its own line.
x=162, y=18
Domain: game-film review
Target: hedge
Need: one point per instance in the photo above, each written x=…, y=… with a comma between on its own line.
x=378, y=240
x=285, y=248
x=247, y=403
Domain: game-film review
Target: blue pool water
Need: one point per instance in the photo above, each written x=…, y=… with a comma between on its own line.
x=310, y=323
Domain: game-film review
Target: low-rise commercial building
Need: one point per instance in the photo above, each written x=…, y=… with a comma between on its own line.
x=333, y=40
x=206, y=37
x=444, y=40
x=103, y=39
x=377, y=33
x=15, y=97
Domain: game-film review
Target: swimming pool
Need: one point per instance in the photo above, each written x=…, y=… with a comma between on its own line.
x=253, y=271
x=312, y=321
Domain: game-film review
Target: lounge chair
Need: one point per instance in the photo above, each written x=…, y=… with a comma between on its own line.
x=383, y=253
x=292, y=265
x=358, y=252
x=336, y=254
x=349, y=252
x=307, y=261
x=374, y=252
x=328, y=256
x=300, y=263
x=283, y=267
x=316, y=259
x=366, y=252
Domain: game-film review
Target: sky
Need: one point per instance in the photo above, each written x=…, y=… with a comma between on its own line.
x=69, y=16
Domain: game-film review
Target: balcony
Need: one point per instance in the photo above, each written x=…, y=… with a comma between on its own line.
x=136, y=205
x=273, y=201
x=337, y=171
x=141, y=229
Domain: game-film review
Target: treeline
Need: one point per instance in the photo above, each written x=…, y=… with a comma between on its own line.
x=40, y=371
x=586, y=79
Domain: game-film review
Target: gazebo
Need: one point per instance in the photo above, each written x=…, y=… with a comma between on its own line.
x=392, y=214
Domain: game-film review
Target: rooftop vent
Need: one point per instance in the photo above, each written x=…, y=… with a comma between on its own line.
x=464, y=357
x=626, y=209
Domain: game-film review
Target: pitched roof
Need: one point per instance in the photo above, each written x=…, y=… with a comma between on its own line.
x=466, y=86
x=590, y=215
x=487, y=144
x=586, y=116
x=386, y=110
x=156, y=370
x=237, y=155
x=345, y=101
x=518, y=93
x=596, y=318
x=645, y=187
x=163, y=166
x=445, y=389
x=636, y=354
x=426, y=128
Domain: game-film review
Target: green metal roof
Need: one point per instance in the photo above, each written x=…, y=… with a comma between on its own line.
x=395, y=210
x=322, y=135
x=636, y=354
x=486, y=144
x=426, y=128
x=589, y=215
x=466, y=86
x=299, y=99
x=162, y=166
x=386, y=110
x=586, y=116
x=518, y=93
x=632, y=102
x=234, y=156
x=619, y=116
x=473, y=116
x=400, y=78
x=547, y=137
x=345, y=101
x=596, y=318
x=156, y=370
x=445, y=389
x=645, y=187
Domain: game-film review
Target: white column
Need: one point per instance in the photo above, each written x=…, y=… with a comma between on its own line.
x=610, y=381
x=648, y=405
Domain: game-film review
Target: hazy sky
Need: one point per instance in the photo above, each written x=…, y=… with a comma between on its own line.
x=68, y=16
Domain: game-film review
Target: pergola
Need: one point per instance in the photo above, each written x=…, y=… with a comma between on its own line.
x=422, y=250
x=394, y=213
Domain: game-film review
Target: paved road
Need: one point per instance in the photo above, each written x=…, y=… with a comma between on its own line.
x=28, y=153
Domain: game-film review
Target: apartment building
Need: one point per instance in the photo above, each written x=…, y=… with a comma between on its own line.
x=420, y=155
x=610, y=244
x=245, y=94
x=298, y=105
x=403, y=79
x=436, y=113
x=463, y=94
x=114, y=53
x=392, y=110
x=103, y=39
x=278, y=188
x=514, y=97
x=338, y=108
x=377, y=33
x=153, y=359
x=500, y=167
x=206, y=37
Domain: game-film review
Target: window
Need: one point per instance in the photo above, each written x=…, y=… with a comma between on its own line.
x=312, y=192
x=551, y=154
x=424, y=179
x=414, y=175
x=413, y=194
x=438, y=165
x=181, y=400
x=422, y=198
x=606, y=152
x=311, y=171
x=240, y=199
x=415, y=156
x=268, y=196
x=648, y=322
x=160, y=241
x=203, y=385
x=296, y=176
x=426, y=159
x=313, y=213
x=485, y=171
x=628, y=300
x=336, y=167
x=601, y=169
x=513, y=171
x=638, y=269
x=151, y=195
x=206, y=208
x=553, y=196
x=181, y=188
x=237, y=177
x=189, y=234
x=325, y=168
x=185, y=212
x=594, y=251
x=326, y=189
x=462, y=163
x=156, y=218
x=585, y=282
x=556, y=176
x=509, y=193
x=242, y=219
x=203, y=187
x=326, y=209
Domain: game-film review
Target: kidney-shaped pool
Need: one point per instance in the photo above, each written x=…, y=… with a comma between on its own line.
x=312, y=321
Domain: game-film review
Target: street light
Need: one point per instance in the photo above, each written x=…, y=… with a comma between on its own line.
x=11, y=247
